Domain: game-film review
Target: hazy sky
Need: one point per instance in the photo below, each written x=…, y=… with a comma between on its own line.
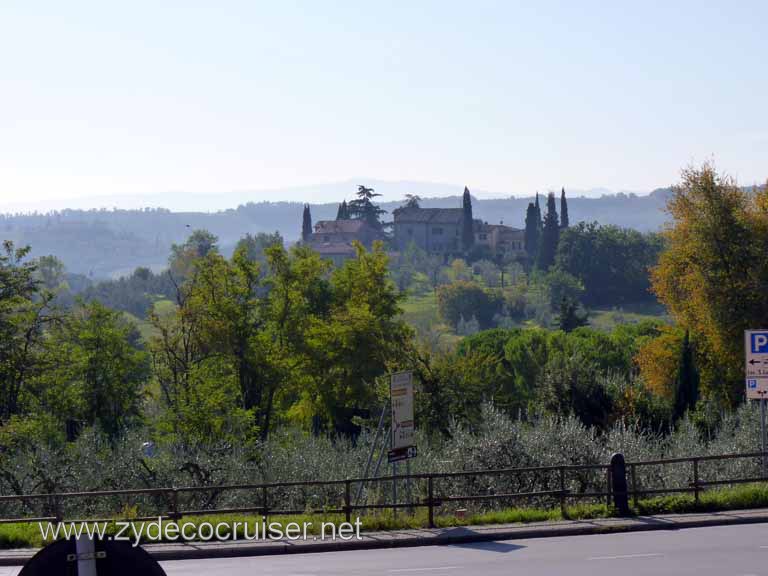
x=100, y=98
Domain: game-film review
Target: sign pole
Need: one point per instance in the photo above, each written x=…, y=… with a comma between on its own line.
x=394, y=485
x=86, y=556
x=762, y=435
x=370, y=454
x=402, y=439
x=408, y=483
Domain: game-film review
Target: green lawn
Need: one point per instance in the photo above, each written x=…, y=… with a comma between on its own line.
x=607, y=319
x=420, y=312
x=162, y=307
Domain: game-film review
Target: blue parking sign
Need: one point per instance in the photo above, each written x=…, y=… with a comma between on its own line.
x=759, y=342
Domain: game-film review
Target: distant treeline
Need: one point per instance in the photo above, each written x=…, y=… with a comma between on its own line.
x=109, y=243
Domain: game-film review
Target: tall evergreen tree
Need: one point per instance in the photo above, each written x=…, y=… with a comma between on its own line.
x=563, y=210
x=412, y=201
x=570, y=318
x=306, y=224
x=363, y=208
x=531, y=232
x=550, y=235
x=687, y=385
x=343, y=212
x=538, y=212
x=468, y=224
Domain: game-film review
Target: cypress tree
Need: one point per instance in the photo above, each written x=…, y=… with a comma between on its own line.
x=467, y=229
x=550, y=235
x=687, y=385
x=343, y=212
x=306, y=224
x=570, y=318
x=531, y=232
x=538, y=212
x=563, y=210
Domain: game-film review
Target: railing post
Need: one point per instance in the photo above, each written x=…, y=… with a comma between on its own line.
x=175, y=504
x=348, y=500
x=608, y=487
x=619, y=482
x=57, y=509
x=264, y=503
x=633, y=469
x=696, y=480
x=563, y=511
x=431, y=501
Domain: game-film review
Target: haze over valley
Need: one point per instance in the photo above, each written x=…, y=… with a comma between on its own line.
x=109, y=242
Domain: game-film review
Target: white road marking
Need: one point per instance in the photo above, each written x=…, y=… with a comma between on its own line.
x=623, y=557
x=423, y=569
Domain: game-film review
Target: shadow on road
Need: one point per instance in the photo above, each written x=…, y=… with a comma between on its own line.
x=488, y=545
x=653, y=521
x=500, y=547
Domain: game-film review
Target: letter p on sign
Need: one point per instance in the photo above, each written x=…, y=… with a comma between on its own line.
x=760, y=343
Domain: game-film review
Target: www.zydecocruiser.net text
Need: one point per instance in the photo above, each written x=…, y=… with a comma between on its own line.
x=163, y=530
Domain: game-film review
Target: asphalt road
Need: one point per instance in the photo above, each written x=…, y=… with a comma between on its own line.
x=720, y=551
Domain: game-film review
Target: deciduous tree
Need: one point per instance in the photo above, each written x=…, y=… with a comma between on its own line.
x=713, y=274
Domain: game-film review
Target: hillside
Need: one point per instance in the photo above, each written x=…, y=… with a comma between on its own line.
x=105, y=243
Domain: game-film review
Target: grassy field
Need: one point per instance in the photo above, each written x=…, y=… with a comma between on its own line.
x=162, y=308
x=737, y=498
x=420, y=312
x=607, y=319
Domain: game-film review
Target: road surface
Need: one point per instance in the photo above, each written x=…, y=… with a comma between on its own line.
x=719, y=551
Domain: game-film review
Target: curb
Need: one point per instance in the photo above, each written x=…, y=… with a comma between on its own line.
x=462, y=535
x=444, y=539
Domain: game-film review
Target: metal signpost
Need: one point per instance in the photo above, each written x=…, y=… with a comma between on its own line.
x=402, y=440
x=403, y=444
x=756, y=371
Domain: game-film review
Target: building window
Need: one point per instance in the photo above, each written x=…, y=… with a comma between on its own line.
x=483, y=236
x=437, y=231
x=410, y=231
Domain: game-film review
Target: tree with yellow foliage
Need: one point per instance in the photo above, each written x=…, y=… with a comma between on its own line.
x=658, y=361
x=713, y=274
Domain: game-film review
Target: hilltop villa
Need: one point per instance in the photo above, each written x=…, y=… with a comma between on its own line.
x=435, y=230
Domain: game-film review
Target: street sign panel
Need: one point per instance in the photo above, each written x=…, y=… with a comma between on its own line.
x=756, y=363
x=398, y=454
x=401, y=401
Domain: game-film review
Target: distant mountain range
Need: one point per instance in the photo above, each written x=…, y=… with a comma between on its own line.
x=107, y=243
x=391, y=191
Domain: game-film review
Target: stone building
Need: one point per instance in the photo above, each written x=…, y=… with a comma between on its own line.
x=438, y=231
x=333, y=239
x=434, y=230
x=501, y=239
x=344, y=231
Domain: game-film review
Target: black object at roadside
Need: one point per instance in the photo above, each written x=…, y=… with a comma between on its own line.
x=112, y=558
x=619, y=483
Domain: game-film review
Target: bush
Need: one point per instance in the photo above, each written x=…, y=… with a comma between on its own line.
x=464, y=299
x=94, y=462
